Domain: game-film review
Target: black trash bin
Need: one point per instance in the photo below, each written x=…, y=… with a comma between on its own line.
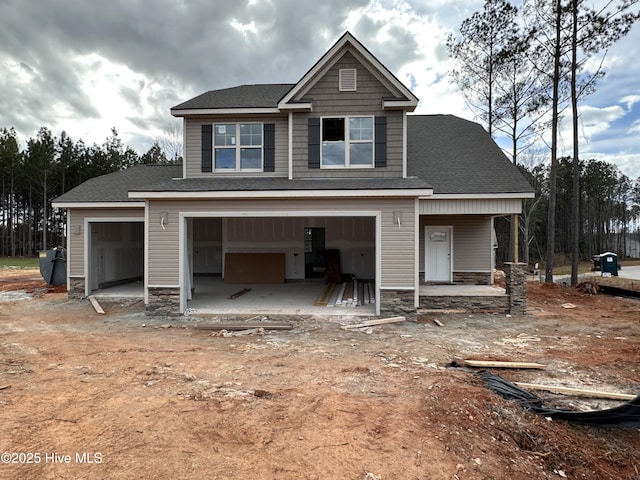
x=53, y=265
x=609, y=263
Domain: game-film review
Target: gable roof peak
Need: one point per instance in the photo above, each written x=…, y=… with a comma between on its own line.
x=348, y=41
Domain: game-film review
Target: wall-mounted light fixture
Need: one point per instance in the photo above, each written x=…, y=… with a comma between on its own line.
x=164, y=219
x=397, y=218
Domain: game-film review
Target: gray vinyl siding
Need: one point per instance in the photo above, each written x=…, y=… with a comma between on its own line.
x=193, y=148
x=329, y=101
x=75, y=223
x=397, y=244
x=471, y=241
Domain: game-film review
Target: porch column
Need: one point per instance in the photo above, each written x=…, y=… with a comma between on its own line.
x=516, y=280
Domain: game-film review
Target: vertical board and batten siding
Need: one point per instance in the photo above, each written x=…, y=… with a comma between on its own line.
x=75, y=223
x=397, y=244
x=193, y=148
x=472, y=246
x=366, y=100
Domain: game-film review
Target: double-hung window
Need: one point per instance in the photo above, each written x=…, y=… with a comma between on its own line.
x=238, y=146
x=347, y=142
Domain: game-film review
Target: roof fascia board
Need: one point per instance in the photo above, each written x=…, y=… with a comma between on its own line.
x=418, y=192
x=329, y=59
x=127, y=204
x=478, y=196
x=223, y=111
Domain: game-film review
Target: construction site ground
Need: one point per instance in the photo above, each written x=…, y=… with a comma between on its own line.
x=124, y=395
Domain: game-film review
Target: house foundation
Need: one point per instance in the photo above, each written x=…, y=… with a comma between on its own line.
x=472, y=278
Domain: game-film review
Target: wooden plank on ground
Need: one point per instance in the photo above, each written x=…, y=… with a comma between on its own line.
x=499, y=364
x=96, y=305
x=442, y=310
x=239, y=294
x=438, y=322
x=244, y=326
x=371, y=323
x=326, y=295
x=577, y=391
x=4, y=387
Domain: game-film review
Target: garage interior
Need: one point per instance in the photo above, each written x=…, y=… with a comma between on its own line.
x=116, y=256
x=281, y=265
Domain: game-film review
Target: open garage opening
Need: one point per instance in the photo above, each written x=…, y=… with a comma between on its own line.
x=280, y=265
x=116, y=258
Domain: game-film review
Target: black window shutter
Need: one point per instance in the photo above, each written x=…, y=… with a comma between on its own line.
x=381, y=142
x=269, y=147
x=314, y=143
x=207, y=148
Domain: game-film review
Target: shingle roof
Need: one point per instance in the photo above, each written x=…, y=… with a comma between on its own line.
x=244, y=96
x=114, y=187
x=458, y=156
x=281, y=184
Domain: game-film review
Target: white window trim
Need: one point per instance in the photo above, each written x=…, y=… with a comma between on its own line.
x=238, y=147
x=347, y=142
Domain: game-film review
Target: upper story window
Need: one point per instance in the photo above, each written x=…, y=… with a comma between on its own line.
x=347, y=142
x=238, y=146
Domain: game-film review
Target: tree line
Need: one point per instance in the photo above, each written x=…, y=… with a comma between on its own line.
x=48, y=166
x=525, y=68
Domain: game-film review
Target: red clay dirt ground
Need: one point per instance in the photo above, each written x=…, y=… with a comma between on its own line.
x=124, y=395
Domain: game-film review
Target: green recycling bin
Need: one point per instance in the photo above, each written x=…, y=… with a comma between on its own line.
x=609, y=263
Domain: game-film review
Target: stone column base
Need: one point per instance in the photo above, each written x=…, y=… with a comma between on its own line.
x=76, y=288
x=164, y=302
x=516, y=280
x=397, y=303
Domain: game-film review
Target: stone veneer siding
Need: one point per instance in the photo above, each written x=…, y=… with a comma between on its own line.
x=472, y=304
x=76, y=287
x=164, y=302
x=397, y=302
x=516, y=279
x=472, y=278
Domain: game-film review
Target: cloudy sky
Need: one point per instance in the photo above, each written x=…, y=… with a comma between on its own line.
x=87, y=66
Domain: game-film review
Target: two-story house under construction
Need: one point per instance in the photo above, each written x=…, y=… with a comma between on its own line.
x=311, y=189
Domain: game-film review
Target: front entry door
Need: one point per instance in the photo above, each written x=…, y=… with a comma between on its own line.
x=437, y=254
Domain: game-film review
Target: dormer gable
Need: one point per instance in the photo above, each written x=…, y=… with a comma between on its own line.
x=399, y=97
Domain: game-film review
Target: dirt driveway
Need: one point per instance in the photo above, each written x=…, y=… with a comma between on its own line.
x=123, y=395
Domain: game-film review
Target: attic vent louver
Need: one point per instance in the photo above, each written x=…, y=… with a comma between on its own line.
x=347, y=79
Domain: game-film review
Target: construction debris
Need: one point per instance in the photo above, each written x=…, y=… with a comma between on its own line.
x=438, y=322
x=370, y=323
x=239, y=294
x=577, y=391
x=244, y=326
x=4, y=387
x=96, y=305
x=352, y=293
x=500, y=364
x=626, y=415
x=589, y=287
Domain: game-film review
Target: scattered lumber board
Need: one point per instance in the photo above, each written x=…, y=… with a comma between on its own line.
x=4, y=387
x=244, y=326
x=326, y=295
x=577, y=391
x=442, y=310
x=371, y=323
x=239, y=294
x=96, y=305
x=438, y=322
x=499, y=364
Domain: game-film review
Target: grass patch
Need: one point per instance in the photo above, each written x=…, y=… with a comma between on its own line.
x=19, y=262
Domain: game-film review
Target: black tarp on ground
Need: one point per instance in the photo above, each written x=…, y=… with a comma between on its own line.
x=626, y=415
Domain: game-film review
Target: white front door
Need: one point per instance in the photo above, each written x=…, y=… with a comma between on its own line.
x=437, y=254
